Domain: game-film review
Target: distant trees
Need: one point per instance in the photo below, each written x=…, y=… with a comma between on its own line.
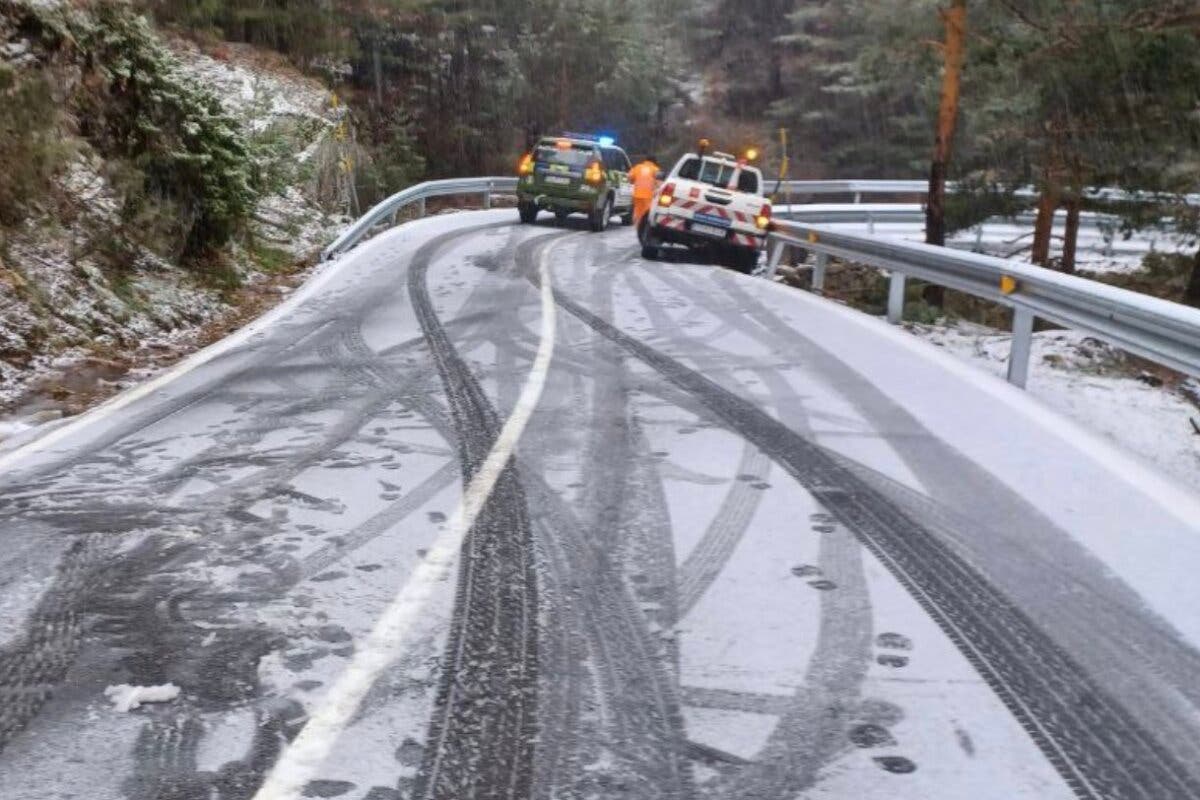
x=858, y=83
x=1088, y=94
x=1060, y=96
x=460, y=85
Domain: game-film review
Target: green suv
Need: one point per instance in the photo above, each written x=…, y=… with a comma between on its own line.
x=574, y=174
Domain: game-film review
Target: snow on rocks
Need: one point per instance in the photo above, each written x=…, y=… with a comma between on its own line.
x=64, y=299
x=251, y=92
x=126, y=698
x=276, y=102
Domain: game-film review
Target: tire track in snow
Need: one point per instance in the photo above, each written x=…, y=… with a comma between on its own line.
x=481, y=737
x=810, y=730
x=638, y=705
x=710, y=555
x=33, y=666
x=1091, y=612
x=1100, y=751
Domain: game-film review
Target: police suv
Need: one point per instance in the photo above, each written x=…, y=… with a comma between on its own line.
x=712, y=201
x=575, y=173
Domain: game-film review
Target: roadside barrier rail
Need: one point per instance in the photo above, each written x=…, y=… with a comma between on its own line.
x=859, y=189
x=1163, y=332
x=384, y=214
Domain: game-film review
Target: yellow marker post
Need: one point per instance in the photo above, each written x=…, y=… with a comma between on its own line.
x=1008, y=284
x=812, y=237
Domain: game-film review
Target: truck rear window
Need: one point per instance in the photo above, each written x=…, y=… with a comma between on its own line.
x=718, y=173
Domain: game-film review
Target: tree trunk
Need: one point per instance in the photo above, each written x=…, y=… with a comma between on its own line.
x=377, y=68
x=954, y=52
x=1071, y=235
x=1043, y=229
x=1191, y=295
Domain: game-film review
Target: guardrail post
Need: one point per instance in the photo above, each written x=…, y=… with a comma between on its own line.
x=871, y=224
x=818, y=280
x=421, y=208
x=487, y=196
x=1022, y=344
x=895, y=306
x=774, y=256
x=857, y=198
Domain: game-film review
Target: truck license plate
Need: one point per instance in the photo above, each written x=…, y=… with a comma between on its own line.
x=558, y=179
x=708, y=230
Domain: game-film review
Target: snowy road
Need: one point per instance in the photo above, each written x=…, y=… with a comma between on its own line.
x=751, y=545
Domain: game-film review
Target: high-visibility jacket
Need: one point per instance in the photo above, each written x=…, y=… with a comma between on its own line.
x=644, y=177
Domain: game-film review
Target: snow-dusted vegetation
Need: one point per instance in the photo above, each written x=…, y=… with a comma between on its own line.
x=153, y=190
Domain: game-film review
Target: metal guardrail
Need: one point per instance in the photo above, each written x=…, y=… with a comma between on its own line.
x=861, y=188
x=857, y=188
x=1164, y=332
x=869, y=213
x=872, y=214
x=385, y=213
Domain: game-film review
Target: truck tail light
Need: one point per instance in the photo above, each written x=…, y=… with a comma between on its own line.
x=667, y=198
x=594, y=173
x=764, y=217
x=526, y=165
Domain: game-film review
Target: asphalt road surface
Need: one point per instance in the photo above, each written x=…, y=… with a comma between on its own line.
x=503, y=511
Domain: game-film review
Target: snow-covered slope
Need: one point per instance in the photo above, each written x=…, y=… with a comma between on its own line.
x=81, y=305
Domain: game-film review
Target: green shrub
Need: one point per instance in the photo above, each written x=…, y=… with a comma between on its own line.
x=172, y=130
x=397, y=161
x=30, y=148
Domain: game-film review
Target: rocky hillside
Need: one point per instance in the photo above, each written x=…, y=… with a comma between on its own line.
x=154, y=195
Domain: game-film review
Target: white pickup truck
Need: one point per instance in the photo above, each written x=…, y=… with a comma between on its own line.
x=712, y=201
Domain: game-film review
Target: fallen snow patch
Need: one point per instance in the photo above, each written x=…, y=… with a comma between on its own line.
x=1092, y=383
x=127, y=698
x=13, y=428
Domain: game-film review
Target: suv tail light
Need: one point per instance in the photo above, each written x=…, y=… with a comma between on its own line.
x=667, y=198
x=763, y=220
x=594, y=173
x=526, y=165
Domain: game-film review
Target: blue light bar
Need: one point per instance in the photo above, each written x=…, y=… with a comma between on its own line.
x=603, y=141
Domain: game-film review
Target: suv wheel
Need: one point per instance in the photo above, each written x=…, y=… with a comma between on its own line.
x=599, y=219
x=528, y=212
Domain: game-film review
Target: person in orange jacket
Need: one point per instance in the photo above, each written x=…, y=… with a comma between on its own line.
x=644, y=177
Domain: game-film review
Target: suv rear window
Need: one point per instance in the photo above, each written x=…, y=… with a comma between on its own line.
x=578, y=156
x=616, y=159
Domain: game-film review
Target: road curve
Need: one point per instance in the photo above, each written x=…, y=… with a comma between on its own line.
x=751, y=544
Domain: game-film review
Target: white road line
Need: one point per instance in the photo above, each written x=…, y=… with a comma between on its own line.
x=302, y=759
